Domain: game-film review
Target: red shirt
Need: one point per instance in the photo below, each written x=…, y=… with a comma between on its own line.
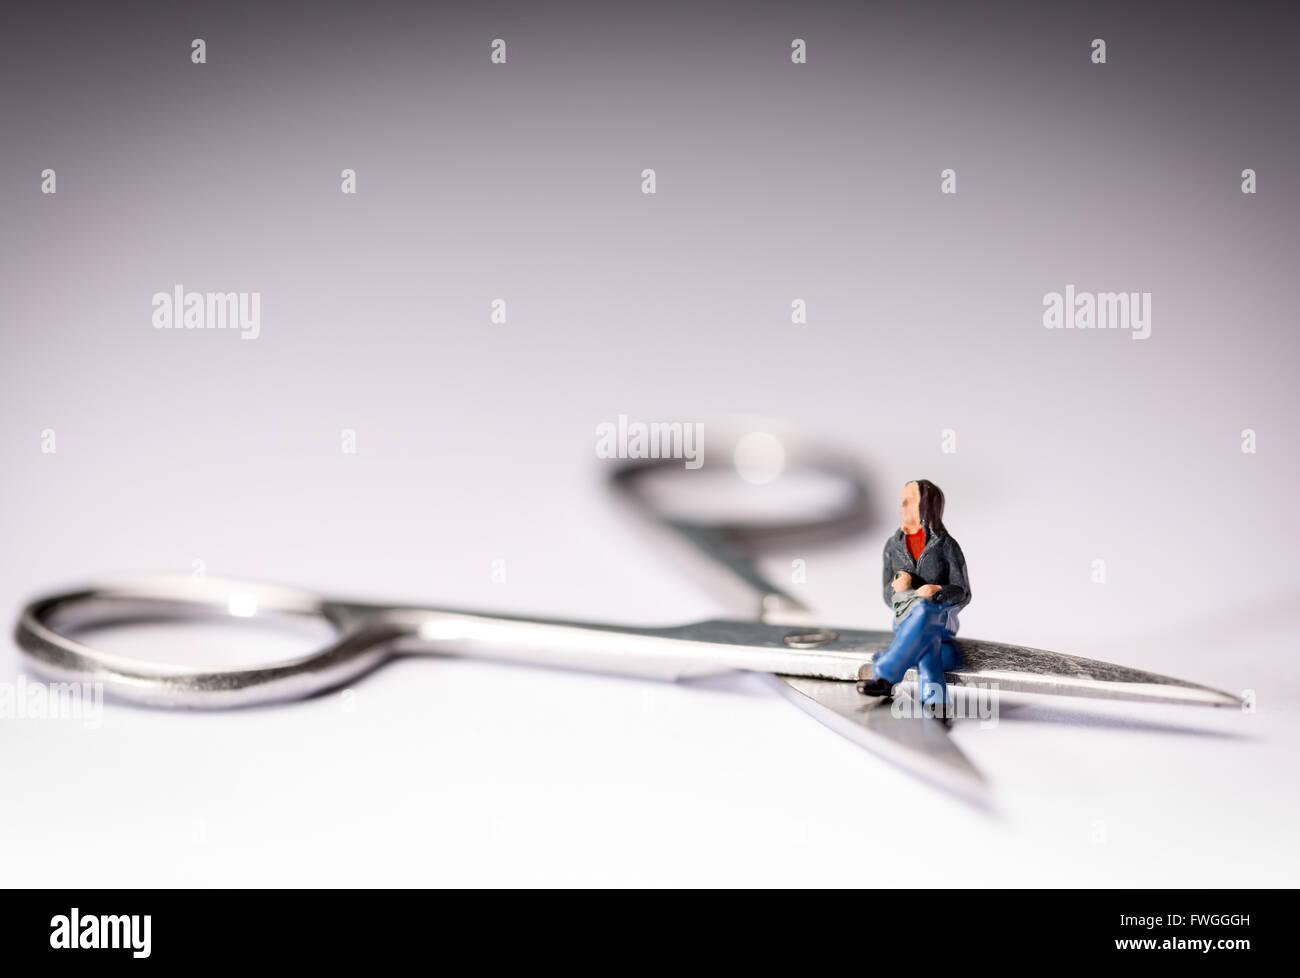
x=915, y=543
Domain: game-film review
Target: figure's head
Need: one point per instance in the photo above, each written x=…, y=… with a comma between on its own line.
x=922, y=503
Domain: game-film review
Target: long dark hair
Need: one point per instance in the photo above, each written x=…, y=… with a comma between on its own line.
x=931, y=504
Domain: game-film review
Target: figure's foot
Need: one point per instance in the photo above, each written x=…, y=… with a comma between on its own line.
x=876, y=687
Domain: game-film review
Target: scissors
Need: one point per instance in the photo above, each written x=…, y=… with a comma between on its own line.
x=777, y=634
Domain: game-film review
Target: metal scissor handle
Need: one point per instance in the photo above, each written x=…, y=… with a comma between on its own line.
x=368, y=634
x=732, y=544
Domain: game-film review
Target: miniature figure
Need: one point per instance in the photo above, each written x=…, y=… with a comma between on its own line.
x=924, y=582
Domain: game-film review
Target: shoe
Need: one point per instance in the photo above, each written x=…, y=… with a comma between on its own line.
x=876, y=687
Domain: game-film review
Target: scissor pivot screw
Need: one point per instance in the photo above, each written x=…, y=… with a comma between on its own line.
x=810, y=640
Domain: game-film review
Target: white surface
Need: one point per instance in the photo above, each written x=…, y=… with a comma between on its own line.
x=457, y=772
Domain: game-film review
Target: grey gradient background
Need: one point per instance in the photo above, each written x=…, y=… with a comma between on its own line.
x=775, y=181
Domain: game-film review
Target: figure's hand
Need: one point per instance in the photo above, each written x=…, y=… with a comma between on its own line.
x=928, y=590
x=901, y=582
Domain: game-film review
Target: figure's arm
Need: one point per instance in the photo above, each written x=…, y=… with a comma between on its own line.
x=957, y=590
x=887, y=577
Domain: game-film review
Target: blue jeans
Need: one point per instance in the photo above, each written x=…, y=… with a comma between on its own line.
x=923, y=639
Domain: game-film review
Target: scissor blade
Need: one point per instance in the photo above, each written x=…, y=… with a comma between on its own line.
x=917, y=744
x=1014, y=668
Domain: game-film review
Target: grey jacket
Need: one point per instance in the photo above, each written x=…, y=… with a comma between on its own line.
x=941, y=563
